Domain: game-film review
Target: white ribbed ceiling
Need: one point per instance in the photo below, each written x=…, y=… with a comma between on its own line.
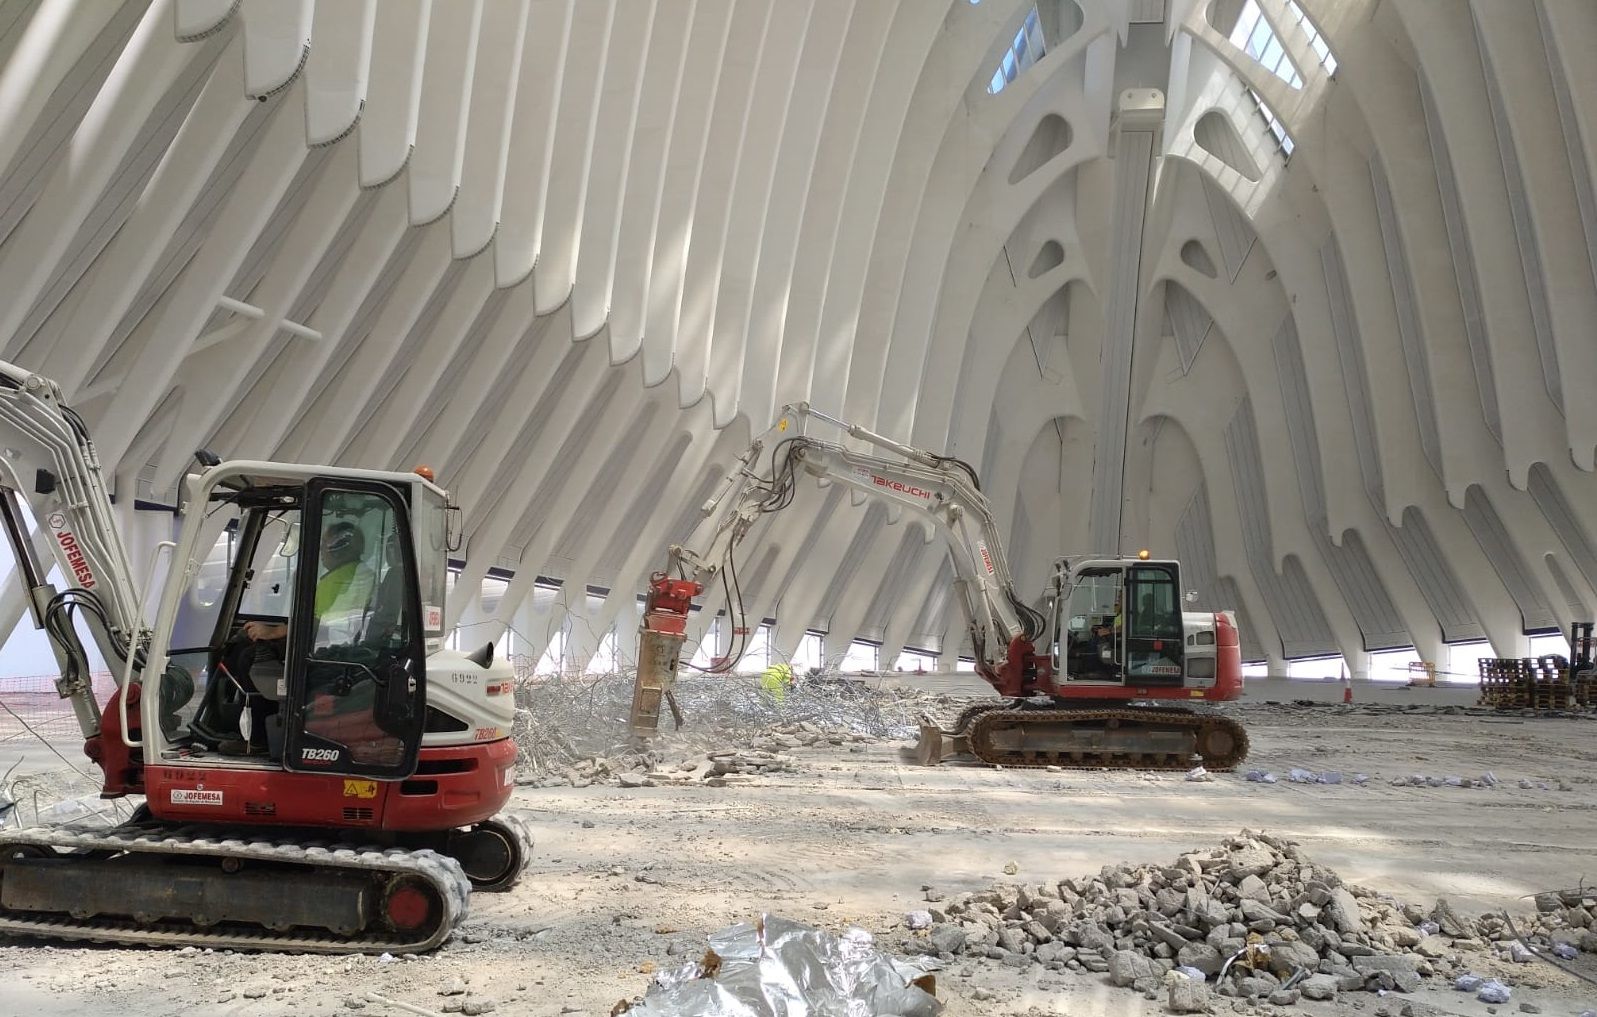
x=571, y=252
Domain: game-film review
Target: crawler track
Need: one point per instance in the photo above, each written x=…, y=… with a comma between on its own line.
x=1142, y=738
x=137, y=858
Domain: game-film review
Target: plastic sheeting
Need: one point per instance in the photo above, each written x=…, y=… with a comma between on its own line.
x=779, y=968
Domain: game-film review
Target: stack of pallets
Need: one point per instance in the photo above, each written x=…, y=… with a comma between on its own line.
x=1540, y=683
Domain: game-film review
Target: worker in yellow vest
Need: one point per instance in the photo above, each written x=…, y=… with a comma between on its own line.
x=776, y=680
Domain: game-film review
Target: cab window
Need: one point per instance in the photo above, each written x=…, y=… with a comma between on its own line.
x=357, y=672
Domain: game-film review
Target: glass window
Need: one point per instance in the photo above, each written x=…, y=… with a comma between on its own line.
x=1025, y=49
x=1283, y=140
x=270, y=590
x=1271, y=57
x=1316, y=41
x=362, y=674
x=432, y=558
x=1154, y=638
x=1254, y=36
x=1259, y=38
x=1091, y=624
x=1157, y=613
x=202, y=601
x=811, y=652
x=860, y=657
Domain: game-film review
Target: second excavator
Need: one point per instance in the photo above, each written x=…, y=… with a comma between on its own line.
x=1104, y=673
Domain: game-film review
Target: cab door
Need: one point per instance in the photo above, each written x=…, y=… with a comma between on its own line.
x=1090, y=623
x=1153, y=632
x=356, y=669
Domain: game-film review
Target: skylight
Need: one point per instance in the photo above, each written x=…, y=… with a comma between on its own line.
x=1273, y=124
x=1321, y=50
x=1254, y=36
x=1026, y=49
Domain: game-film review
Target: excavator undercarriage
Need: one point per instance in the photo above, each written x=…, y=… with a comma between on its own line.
x=150, y=883
x=1077, y=735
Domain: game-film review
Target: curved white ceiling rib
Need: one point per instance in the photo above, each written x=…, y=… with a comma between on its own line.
x=574, y=253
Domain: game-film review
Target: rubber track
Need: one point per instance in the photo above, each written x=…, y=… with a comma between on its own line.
x=988, y=721
x=443, y=872
x=521, y=829
x=962, y=722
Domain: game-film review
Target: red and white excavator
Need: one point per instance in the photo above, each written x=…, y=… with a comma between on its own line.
x=1093, y=678
x=333, y=785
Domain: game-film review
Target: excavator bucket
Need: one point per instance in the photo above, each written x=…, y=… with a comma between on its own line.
x=936, y=744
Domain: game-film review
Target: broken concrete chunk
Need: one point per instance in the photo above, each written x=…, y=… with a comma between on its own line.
x=1385, y=962
x=947, y=938
x=1201, y=956
x=1343, y=910
x=1253, y=859
x=1186, y=995
x=1255, y=986
x=1126, y=966
x=1167, y=935
x=1286, y=958
x=1318, y=987
x=1253, y=911
x=1253, y=888
x=1432, y=947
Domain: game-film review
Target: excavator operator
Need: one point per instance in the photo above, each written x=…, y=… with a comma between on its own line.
x=343, y=580
x=342, y=545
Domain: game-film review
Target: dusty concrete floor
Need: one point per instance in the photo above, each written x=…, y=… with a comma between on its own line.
x=622, y=875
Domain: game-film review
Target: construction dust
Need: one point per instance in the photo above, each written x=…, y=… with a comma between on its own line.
x=573, y=730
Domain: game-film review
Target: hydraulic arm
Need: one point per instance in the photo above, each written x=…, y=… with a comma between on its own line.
x=48, y=463
x=943, y=490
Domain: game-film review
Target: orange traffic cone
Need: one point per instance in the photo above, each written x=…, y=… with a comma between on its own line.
x=1347, y=686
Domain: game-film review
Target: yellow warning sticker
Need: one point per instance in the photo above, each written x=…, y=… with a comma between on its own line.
x=360, y=789
x=782, y=424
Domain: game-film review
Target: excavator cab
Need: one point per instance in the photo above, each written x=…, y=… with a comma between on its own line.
x=329, y=564
x=1120, y=622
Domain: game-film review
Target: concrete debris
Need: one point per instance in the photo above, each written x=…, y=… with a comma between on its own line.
x=1485, y=780
x=1564, y=918
x=1187, y=995
x=572, y=730
x=1493, y=991
x=1253, y=919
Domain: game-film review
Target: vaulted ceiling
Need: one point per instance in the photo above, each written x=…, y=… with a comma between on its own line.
x=1331, y=339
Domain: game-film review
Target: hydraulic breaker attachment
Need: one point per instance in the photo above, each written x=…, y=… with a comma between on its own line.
x=660, y=639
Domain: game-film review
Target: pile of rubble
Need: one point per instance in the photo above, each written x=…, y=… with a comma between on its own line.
x=1565, y=920
x=1253, y=919
x=573, y=730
